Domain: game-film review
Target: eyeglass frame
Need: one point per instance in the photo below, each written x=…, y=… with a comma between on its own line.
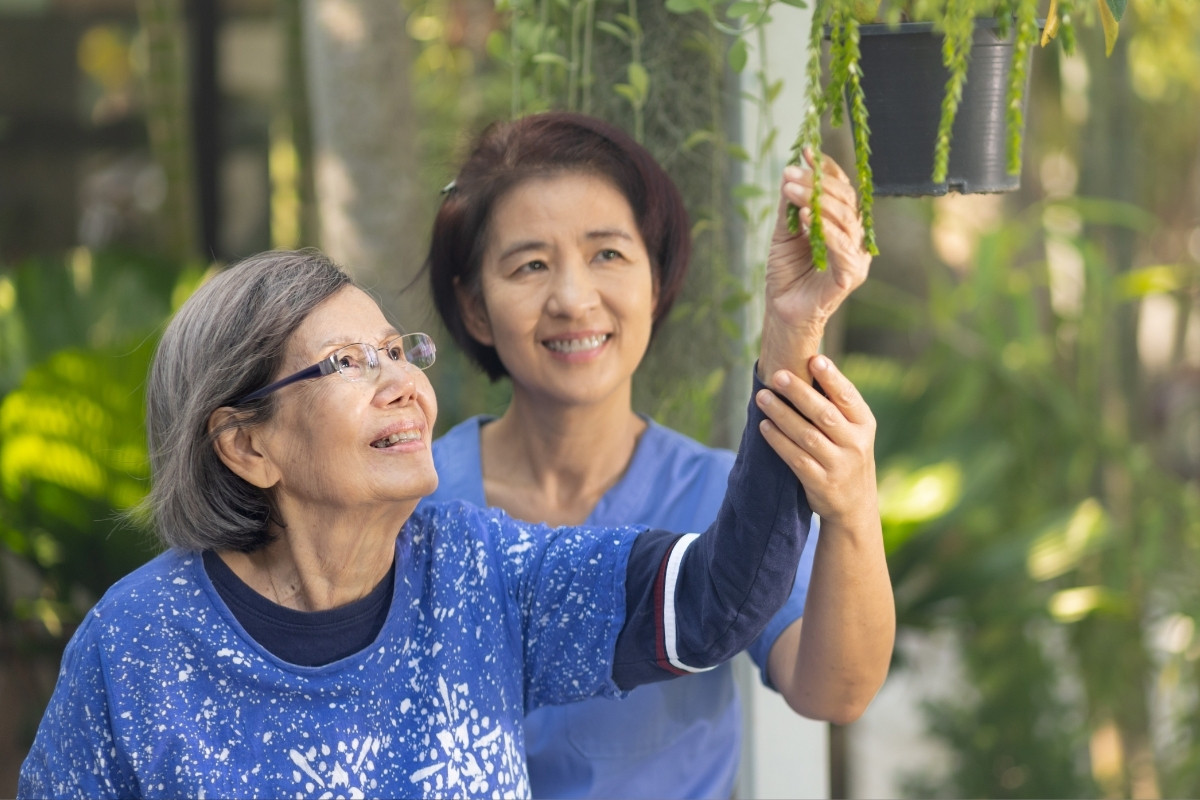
x=328, y=365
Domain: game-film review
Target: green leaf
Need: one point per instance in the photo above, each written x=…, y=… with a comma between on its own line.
x=1117, y=7
x=551, y=58
x=1108, y=19
x=795, y=3
x=630, y=94
x=773, y=91
x=615, y=31
x=1157, y=279
x=698, y=137
x=682, y=6
x=631, y=24
x=741, y=8
x=738, y=152
x=738, y=55
x=497, y=46
x=639, y=79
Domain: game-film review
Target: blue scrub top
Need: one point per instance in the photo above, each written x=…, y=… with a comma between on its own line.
x=680, y=738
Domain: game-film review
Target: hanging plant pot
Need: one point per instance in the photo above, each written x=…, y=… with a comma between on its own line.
x=904, y=81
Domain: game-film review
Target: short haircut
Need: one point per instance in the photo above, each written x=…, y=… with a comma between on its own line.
x=227, y=340
x=546, y=145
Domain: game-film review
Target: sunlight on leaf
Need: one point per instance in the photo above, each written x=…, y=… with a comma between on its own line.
x=1060, y=548
x=1109, y=21
x=1072, y=605
x=1157, y=279
x=920, y=495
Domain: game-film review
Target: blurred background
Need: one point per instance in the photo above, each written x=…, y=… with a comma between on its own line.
x=1033, y=359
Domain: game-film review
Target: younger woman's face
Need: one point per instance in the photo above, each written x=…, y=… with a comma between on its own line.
x=567, y=291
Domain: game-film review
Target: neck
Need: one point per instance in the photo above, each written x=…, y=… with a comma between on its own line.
x=321, y=561
x=547, y=462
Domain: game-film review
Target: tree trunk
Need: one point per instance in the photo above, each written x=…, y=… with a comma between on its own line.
x=364, y=158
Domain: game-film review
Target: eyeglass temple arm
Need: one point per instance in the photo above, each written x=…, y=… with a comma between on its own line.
x=315, y=371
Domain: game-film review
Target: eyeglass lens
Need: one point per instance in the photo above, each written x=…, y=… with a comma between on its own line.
x=356, y=360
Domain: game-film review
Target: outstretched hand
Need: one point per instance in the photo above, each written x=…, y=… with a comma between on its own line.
x=799, y=298
x=827, y=441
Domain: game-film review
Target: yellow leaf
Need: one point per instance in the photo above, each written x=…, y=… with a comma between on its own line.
x=1110, y=26
x=1051, y=29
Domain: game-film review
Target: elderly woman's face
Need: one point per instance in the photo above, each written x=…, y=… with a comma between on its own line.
x=341, y=444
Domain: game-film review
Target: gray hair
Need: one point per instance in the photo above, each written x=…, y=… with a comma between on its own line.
x=227, y=340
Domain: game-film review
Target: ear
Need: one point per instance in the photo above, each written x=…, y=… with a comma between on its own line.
x=239, y=446
x=474, y=314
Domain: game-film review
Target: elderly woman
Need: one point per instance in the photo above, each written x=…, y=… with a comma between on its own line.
x=307, y=634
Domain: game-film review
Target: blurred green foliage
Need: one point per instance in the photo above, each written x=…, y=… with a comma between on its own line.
x=1026, y=510
x=77, y=337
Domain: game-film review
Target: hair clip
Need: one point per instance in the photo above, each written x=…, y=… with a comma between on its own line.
x=448, y=188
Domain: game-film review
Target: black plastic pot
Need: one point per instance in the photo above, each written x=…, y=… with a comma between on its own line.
x=903, y=82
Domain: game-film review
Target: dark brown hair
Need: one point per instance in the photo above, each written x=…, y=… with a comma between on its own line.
x=542, y=145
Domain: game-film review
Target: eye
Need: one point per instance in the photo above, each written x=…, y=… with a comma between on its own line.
x=350, y=361
x=537, y=265
x=394, y=351
x=608, y=254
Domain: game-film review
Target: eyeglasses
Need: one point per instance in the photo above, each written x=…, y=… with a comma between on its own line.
x=357, y=361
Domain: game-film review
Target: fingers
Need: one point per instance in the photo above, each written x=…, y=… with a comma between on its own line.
x=839, y=203
x=830, y=410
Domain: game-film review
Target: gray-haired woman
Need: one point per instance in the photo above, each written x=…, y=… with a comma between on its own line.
x=307, y=634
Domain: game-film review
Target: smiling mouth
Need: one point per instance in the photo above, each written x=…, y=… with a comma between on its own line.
x=397, y=438
x=577, y=345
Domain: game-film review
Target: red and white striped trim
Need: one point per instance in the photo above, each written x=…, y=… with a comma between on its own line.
x=668, y=578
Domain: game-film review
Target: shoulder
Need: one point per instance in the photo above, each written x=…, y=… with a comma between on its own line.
x=684, y=455
x=163, y=590
x=464, y=433
x=456, y=458
x=168, y=576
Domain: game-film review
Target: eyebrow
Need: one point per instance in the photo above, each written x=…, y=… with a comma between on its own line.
x=345, y=339
x=525, y=245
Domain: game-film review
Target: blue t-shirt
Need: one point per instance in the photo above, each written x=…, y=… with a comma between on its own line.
x=162, y=693
x=676, y=739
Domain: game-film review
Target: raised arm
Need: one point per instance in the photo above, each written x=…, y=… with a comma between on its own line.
x=800, y=299
x=830, y=664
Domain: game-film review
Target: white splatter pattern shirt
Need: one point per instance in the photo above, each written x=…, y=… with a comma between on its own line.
x=163, y=694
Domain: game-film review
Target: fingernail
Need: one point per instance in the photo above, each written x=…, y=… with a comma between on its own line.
x=820, y=363
x=782, y=379
x=765, y=398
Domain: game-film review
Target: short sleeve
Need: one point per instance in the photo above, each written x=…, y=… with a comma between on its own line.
x=793, y=609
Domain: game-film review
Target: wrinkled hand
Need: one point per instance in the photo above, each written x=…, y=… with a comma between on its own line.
x=799, y=299
x=828, y=442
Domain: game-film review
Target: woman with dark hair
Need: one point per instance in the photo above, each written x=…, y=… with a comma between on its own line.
x=556, y=253
x=307, y=634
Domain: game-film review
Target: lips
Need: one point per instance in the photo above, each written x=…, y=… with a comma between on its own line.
x=578, y=345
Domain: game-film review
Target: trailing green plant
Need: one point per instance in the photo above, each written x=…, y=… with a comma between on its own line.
x=838, y=21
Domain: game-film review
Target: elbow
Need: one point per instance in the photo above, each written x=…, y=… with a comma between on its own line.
x=841, y=706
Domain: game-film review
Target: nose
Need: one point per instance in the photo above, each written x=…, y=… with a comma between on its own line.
x=574, y=291
x=396, y=381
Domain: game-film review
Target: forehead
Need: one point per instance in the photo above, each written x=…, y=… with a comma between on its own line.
x=349, y=315
x=562, y=198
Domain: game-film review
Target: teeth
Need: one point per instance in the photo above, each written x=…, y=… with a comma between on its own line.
x=403, y=436
x=577, y=345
